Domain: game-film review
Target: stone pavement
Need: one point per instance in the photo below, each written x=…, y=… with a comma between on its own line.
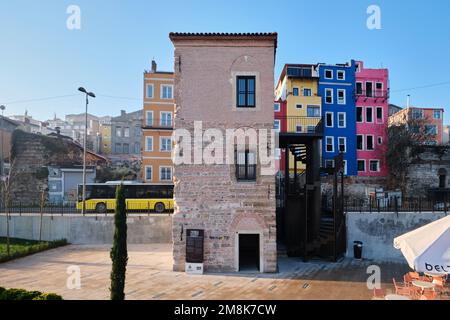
x=150, y=276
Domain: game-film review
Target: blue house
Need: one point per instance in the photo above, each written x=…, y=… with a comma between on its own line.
x=337, y=87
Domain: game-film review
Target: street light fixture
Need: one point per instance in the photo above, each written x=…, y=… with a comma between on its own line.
x=2, y=107
x=88, y=94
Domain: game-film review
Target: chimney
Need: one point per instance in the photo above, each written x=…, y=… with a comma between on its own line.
x=408, y=100
x=154, y=66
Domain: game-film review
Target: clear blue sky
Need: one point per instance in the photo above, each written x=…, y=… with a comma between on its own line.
x=40, y=57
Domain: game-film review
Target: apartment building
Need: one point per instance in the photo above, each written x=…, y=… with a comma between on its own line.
x=157, y=126
x=336, y=89
x=430, y=121
x=372, y=113
x=126, y=134
x=226, y=81
x=296, y=94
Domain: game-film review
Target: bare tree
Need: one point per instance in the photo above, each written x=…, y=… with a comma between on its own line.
x=7, y=184
x=405, y=142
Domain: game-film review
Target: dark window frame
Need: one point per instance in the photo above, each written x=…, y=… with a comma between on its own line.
x=249, y=172
x=245, y=92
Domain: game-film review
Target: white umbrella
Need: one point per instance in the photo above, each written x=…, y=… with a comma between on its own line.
x=427, y=249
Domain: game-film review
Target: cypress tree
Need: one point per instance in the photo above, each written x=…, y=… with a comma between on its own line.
x=119, y=254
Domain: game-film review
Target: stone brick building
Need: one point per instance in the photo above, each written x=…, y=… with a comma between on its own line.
x=226, y=81
x=32, y=156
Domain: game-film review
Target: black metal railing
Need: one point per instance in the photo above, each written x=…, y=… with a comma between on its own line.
x=158, y=124
x=246, y=172
x=397, y=204
x=301, y=125
x=375, y=93
x=70, y=207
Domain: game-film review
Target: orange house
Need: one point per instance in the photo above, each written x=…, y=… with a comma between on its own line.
x=157, y=127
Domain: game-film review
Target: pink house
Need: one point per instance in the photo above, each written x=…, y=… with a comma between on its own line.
x=372, y=114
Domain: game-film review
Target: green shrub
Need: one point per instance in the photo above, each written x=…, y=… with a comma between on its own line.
x=20, y=294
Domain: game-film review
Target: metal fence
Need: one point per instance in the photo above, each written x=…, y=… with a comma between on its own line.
x=66, y=208
x=396, y=204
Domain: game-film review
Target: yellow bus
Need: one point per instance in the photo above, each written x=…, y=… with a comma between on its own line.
x=101, y=197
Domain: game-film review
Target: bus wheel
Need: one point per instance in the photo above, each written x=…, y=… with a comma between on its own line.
x=159, y=207
x=100, y=207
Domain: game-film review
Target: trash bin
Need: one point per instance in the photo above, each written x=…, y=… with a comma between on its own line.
x=357, y=249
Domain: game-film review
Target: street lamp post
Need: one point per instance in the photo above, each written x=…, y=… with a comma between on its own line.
x=2, y=107
x=88, y=94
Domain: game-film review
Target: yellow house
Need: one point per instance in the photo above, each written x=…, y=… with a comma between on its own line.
x=105, y=134
x=298, y=86
x=157, y=127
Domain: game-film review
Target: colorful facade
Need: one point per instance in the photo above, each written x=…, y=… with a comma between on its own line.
x=372, y=113
x=157, y=126
x=297, y=93
x=336, y=89
x=432, y=122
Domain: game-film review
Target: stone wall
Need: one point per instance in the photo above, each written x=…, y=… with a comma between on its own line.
x=378, y=230
x=424, y=169
x=31, y=154
x=89, y=230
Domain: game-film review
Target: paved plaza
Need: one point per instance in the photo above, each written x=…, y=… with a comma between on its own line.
x=150, y=276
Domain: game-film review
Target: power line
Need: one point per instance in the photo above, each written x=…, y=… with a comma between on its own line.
x=424, y=86
x=117, y=97
x=40, y=99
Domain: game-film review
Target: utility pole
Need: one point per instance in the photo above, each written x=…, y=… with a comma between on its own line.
x=88, y=94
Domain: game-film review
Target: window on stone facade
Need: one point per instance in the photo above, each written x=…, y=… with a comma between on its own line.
x=245, y=165
x=126, y=148
x=118, y=148
x=295, y=92
x=431, y=130
x=328, y=74
x=137, y=148
x=307, y=92
x=246, y=86
x=417, y=114
x=118, y=131
x=298, y=128
x=380, y=140
x=126, y=132
x=149, y=118
x=276, y=107
x=341, y=75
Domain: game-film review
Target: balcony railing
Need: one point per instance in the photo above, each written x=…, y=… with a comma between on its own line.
x=377, y=94
x=158, y=124
x=301, y=125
